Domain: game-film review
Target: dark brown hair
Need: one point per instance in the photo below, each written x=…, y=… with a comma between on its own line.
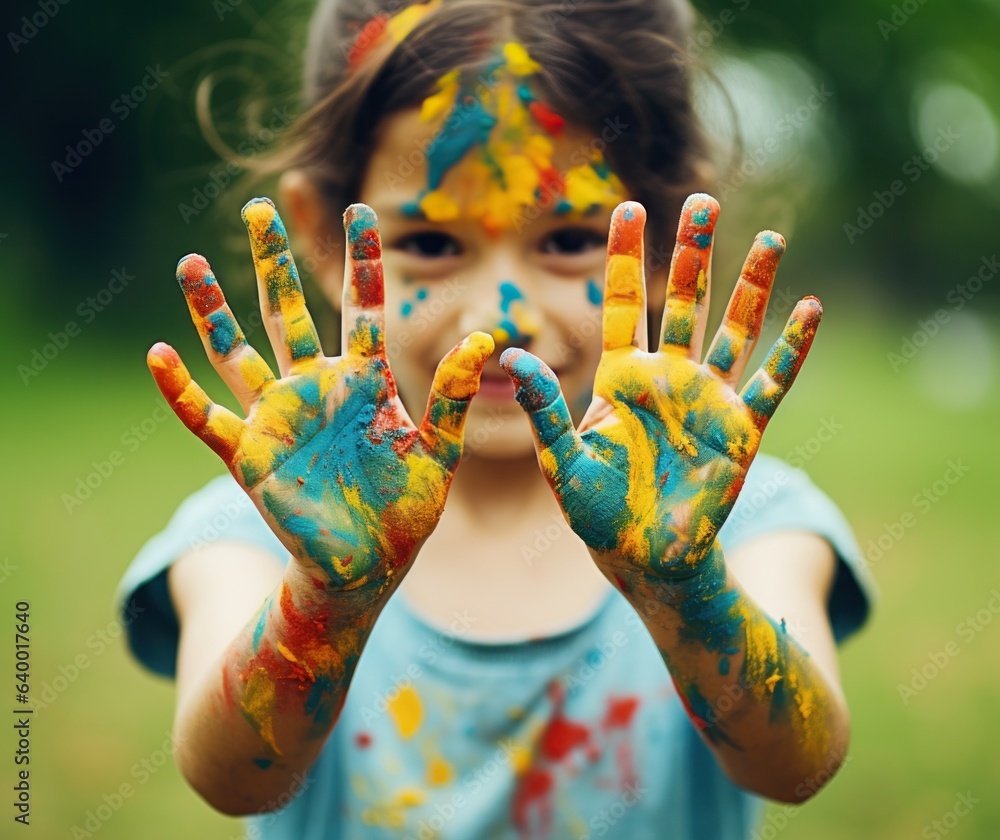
x=616, y=64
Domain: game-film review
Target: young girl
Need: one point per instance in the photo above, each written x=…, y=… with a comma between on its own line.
x=624, y=620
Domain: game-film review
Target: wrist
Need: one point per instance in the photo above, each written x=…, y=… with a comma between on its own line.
x=687, y=589
x=323, y=602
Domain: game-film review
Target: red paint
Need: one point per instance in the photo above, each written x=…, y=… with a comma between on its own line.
x=199, y=285
x=561, y=735
x=626, y=234
x=367, y=275
x=370, y=35
x=533, y=794
x=318, y=583
x=700, y=723
x=620, y=712
x=621, y=584
x=627, y=776
x=363, y=740
x=548, y=119
x=301, y=630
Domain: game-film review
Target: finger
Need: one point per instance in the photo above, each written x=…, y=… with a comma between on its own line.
x=456, y=382
x=736, y=338
x=537, y=390
x=217, y=426
x=241, y=367
x=287, y=321
x=771, y=382
x=364, y=286
x=683, y=326
x=624, y=286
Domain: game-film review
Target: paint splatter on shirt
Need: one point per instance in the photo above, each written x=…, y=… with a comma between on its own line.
x=576, y=735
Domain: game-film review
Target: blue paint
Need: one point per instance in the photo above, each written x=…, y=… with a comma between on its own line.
x=629, y=214
x=509, y=293
x=594, y=292
x=700, y=217
x=224, y=333
x=263, y=763
x=468, y=125
x=261, y=624
x=421, y=294
x=724, y=665
x=406, y=309
x=703, y=240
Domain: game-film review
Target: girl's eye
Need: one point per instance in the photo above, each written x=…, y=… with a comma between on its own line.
x=571, y=241
x=430, y=245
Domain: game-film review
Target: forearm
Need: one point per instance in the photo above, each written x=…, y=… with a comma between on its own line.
x=251, y=727
x=776, y=723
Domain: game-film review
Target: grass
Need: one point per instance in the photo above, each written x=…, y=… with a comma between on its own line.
x=908, y=763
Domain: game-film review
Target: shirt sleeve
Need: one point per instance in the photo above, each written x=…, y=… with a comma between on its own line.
x=219, y=511
x=777, y=497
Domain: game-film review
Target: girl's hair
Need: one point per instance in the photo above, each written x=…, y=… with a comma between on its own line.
x=614, y=68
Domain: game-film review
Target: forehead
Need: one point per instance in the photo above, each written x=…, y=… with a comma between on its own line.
x=488, y=149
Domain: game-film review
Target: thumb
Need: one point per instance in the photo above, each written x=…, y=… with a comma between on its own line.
x=538, y=392
x=456, y=382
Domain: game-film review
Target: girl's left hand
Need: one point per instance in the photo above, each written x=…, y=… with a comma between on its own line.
x=660, y=457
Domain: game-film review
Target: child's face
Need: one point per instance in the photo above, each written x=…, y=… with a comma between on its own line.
x=536, y=284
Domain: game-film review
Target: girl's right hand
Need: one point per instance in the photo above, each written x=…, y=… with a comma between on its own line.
x=347, y=482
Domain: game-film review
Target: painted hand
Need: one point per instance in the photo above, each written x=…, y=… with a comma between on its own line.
x=327, y=452
x=661, y=455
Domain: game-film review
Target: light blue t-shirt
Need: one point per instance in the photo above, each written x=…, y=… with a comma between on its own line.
x=579, y=735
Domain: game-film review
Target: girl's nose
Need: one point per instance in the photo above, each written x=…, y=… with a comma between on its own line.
x=507, y=315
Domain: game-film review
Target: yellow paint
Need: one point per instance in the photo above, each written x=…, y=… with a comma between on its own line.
x=254, y=371
x=519, y=147
x=439, y=206
x=436, y=106
x=258, y=705
x=392, y=814
x=623, y=300
x=401, y=25
x=518, y=60
x=406, y=711
x=439, y=772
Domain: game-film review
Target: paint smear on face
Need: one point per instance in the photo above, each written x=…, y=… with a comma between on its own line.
x=406, y=711
x=595, y=294
x=517, y=322
x=492, y=155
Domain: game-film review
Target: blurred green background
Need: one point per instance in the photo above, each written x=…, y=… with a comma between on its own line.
x=833, y=105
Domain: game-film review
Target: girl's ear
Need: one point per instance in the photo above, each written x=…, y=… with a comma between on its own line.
x=315, y=231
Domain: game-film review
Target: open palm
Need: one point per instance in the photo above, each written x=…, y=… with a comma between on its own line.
x=657, y=464
x=345, y=479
